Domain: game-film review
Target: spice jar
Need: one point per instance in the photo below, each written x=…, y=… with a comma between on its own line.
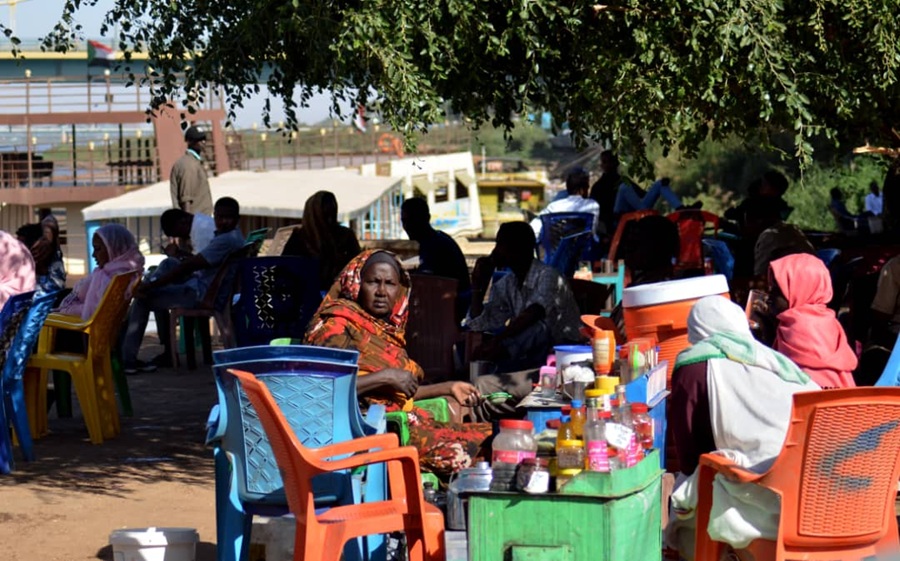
x=532, y=476
x=570, y=454
x=643, y=425
x=514, y=443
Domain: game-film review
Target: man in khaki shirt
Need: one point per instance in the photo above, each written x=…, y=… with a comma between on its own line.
x=188, y=181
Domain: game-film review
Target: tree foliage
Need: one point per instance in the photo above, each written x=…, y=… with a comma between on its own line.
x=671, y=71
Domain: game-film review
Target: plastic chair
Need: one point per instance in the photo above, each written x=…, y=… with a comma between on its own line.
x=12, y=316
x=321, y=537
x=565, y=238
x=620, y=229
x=836, y=477
x=91, y=372
x=316, y=388
x=432, y=330
x=828, y=255
x=691, y=226
x=215, y=305
x=891, y=374
x=721, y=256
x=277, y=298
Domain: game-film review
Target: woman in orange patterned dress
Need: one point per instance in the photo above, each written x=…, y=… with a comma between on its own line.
x=366, y=310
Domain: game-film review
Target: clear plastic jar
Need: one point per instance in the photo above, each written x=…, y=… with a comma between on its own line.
x=570, y=454
x=514, y=443
x=643, y=425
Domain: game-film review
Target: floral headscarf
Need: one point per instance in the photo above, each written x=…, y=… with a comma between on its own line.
x=340, y=322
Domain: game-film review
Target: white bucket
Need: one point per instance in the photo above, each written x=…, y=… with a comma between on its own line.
x=154, y=544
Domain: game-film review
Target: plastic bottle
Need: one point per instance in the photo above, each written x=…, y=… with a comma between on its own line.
x=643, y=426
x=612, y=453
x=603, y=345
x=577, y=418
x=565, y=431
x=428, y=492
x=514, y=443
x=595, y=447
x=622, y=412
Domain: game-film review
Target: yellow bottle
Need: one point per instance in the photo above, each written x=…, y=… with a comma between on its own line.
x=577, y=419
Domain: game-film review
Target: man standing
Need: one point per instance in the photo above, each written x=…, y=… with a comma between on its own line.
x=180, y=283
x=439, y=254
x=874, y=200
x=188, y=181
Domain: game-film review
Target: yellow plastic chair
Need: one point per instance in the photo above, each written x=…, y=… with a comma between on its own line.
x=91, y=372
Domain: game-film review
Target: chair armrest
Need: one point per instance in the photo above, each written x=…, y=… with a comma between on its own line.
x=403, y=454
x=215, y=430
x=64, y=321
x=729, y=469
x=357, y=445
x=375, y=421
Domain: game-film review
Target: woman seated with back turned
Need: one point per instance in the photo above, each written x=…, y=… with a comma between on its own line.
x=807, y=330
x=731, y=395
x=323, y=238
x=366, y=310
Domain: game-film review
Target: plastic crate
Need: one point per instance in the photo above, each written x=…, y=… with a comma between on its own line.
x=596, y=517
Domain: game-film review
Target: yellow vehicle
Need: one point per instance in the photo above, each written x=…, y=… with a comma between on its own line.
x=508, y=196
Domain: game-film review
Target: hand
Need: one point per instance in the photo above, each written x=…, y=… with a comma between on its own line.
x=142, y=289
x=400, y=380
x=171, y=250
x=464, y=393
x=482, y=272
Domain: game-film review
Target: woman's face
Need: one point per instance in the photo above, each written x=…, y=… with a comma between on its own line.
x=101, y=254
x=49, y=234
x=379, y=289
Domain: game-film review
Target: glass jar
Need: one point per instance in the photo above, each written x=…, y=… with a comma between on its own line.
x=532, y=476
x=570, y=454
x=514, y=443
x=643, y=425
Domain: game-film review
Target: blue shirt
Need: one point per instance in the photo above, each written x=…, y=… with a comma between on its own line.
x=221, y=246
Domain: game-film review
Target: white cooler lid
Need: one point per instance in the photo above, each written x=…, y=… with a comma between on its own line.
x=674, y=291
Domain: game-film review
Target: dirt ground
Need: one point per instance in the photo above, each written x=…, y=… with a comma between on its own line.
x=157, y=472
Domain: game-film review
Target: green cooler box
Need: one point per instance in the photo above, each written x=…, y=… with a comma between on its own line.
x=595, y=517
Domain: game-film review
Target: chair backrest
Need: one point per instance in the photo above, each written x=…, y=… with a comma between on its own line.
x=837, y=472
x=282, y=235
x=11, y=317
x=220, y=288
x=556, y=226
x=29, y=329
x=278, y=297
x=432, y=329
x=620, y=229
x=14, y=305
x=316, y=390
x=691, y=226
x=106, y=321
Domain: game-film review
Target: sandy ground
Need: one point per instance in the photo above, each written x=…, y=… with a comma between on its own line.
x=157, y=472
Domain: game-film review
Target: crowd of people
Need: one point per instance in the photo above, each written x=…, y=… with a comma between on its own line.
x=521, y=308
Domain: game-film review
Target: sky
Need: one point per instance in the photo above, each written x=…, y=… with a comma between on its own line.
x=35, y=18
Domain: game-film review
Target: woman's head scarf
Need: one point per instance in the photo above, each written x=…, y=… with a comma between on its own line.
x=718, y=328
x=122, y=248
x=808, y=331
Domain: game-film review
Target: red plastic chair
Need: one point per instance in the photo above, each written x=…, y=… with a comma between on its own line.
x=321, y=537
x=620, y=229
x=836, y=475
x=692, y=224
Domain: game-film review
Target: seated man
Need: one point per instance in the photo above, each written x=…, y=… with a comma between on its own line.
x=629, y=200
x=886, y=305
x=530, y=310
x=577, y=184
x=180, y=284
x=439, y=254
x=198, y=229
x=774, y=237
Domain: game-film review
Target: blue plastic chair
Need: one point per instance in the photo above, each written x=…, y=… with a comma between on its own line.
x=828, y=255
x=277, y=298
x=316, y=389
x=12, y=407
x=721, y=256
x=565, y=238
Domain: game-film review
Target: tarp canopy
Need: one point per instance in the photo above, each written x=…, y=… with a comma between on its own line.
x=279, y=193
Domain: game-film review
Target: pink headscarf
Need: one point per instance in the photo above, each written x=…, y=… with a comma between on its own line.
x=16, y=268
x=808, y=332
x=124, y=257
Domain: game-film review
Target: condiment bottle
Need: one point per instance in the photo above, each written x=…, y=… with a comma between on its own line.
x=565, y=431
x=643, y=425
x=603, y=344
x=577, y=419
x=570, y=455
x=514, y=443
x=595, y=447
x=612, y=453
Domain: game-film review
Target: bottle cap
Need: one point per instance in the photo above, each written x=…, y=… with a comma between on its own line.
x=571, y=444
x=639, y=407
x=576, y=404
x=566, y=419
x=566, y=409
x=594, y=393
x=548, y=370
x=606, y=414
x=516, y=424
x=428, y=485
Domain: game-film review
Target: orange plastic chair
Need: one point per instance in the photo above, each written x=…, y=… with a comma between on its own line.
x=321, y=537
x=620, y=229
x=836, y=475
x=691, y=226
x=91, y=372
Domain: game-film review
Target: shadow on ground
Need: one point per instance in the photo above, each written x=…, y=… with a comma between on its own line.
x=163, y=441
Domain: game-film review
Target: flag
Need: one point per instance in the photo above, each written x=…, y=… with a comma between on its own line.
x=360, y=121
x=100, y=55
